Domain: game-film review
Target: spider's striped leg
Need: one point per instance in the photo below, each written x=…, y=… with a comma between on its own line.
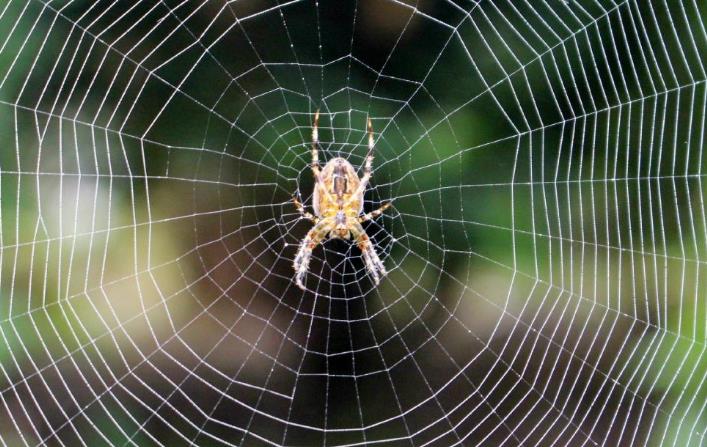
x=315, y=146
x=313, y=238
x=300, y=208
x=375, y=213
x=368, y=167
x=373, y=263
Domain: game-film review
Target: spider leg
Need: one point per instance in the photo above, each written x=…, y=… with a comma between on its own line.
x=315, y=146
x=369, y=155
x=373, y=263
x=375, y=213
x=300, y=208
x=313, y=238
x=368, y=166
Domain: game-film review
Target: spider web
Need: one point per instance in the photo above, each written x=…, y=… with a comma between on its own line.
x=545, y=249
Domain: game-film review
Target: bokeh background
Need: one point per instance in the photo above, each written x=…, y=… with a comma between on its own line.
x=546, y=247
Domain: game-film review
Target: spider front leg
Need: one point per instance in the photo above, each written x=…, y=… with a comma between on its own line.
x=315, y=146
x=313, y=238
x=373, y=263
x=368, y=167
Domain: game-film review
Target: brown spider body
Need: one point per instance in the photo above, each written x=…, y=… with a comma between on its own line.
x=338, y=207
x=344, y=201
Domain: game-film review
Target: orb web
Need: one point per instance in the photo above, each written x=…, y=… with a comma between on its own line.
x=545, y=247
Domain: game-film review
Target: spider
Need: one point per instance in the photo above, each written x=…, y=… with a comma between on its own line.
x=338, y=208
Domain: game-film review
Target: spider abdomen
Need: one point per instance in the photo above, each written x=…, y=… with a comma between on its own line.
x=338, y=189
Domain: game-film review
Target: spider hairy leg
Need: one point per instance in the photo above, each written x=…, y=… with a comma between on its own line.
x=369, y=155
x=315, y=145
x=313, y=238
x=368, y=166
x=375, y=213
x=373, y=263
x=300, y=208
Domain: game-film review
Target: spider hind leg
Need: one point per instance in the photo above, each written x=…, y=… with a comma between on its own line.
x=301, y=263
x=374, y=265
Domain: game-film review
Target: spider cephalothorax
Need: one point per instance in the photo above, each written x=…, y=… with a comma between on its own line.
x=338, y=208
